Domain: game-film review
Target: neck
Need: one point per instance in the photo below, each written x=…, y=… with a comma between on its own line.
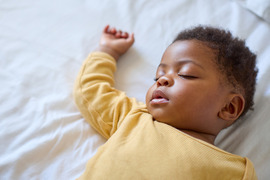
x=210, y=138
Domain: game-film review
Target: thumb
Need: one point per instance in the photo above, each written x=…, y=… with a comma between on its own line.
x=131, y=39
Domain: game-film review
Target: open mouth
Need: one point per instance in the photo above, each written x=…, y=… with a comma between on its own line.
x=159, y=97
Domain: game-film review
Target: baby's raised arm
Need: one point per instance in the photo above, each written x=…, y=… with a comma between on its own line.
x=115, y=42
x=102, y=105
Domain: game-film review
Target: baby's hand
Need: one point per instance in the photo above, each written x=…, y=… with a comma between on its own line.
x=115, y=42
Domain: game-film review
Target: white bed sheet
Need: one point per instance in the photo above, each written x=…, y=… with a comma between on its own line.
x=42, y=46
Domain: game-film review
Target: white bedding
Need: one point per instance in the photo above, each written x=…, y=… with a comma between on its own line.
x=42, y=46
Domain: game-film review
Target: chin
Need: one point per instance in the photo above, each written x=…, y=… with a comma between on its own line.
x=161, y=120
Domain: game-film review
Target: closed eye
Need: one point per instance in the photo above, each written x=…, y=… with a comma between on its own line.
x=182, y=76
x=187, y=76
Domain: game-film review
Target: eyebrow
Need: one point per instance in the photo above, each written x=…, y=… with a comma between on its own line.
x=178, y=63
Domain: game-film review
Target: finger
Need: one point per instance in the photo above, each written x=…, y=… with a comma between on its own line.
x=131, y=38
x=124, y=35
x=113, y=31
x=118, y=34
x=106, y=29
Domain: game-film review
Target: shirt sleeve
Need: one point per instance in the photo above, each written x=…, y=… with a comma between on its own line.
x=103, y=106
x=250, y=173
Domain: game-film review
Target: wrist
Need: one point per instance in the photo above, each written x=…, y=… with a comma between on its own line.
x=109, y=51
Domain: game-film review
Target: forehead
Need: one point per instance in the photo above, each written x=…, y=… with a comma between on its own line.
x=191, y=50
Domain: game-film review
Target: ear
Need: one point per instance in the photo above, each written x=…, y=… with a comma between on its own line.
x=233, y=108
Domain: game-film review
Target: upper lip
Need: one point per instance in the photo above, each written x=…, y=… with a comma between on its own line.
x=159, y=94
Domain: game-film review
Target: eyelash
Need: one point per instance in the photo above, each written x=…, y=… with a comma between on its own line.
x=187, y=77
x=182, y=76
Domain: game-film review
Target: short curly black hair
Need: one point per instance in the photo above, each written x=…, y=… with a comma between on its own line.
x=234, y=58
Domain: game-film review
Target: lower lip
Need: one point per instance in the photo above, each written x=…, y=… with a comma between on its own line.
x=159, y=101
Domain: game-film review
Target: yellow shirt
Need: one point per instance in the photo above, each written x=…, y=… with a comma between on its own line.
x=137, y=146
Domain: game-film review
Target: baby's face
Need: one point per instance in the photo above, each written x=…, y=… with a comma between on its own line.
x=187, y=94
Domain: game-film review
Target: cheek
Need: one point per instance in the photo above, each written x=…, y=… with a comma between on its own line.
x=205, y=99
x=182, y=91
x=190, y=96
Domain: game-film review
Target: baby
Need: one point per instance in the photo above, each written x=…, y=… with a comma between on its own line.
x=204, y=83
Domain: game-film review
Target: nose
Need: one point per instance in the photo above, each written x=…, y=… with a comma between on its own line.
x=165, y=81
